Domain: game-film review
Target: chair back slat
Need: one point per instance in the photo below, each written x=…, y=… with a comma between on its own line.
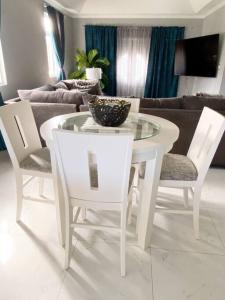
x=94, y=167
x=19, y=130
x=206, y=139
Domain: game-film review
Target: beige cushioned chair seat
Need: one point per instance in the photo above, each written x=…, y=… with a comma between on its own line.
x=175, y=167
x=38, y=161
x=178, y=167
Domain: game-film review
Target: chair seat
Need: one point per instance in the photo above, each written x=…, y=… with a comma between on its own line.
x=178, y=167
x=38, y=161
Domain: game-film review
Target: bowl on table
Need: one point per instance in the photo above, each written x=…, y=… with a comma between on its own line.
x=109, y=112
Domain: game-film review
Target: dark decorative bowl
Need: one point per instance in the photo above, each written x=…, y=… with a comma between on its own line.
x=107, y=112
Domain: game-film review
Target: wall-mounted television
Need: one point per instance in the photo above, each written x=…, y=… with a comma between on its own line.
x=197, y=56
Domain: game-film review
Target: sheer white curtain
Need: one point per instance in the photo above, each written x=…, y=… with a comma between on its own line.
x=133, y=45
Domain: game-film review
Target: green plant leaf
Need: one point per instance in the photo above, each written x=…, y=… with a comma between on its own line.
x=90, y=60
x=81, y=59
x=102, y=62
x=92, y=56
x=83, y=76
x=78, y=74
x=102, y=85
x=104, y=81
x=105, y=78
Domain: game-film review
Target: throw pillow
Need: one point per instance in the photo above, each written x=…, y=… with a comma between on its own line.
x=86, y=86
x=59, y=96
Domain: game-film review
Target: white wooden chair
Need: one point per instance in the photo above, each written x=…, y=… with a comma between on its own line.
x=189, y=172
x=20, y=134
x=95, y=171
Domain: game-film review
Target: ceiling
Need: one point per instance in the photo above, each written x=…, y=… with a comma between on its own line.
x=139, y=9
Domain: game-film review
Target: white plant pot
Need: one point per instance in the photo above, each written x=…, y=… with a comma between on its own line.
x=94, y=73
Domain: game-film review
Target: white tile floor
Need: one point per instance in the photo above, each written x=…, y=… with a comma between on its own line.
x=176, y=267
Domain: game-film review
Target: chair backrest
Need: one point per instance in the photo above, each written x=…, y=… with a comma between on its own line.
x=94, y=167
x=19, y=130
x=135, y=102
x=206, y=139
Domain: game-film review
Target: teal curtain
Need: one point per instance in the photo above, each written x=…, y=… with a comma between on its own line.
x=2, y=143
x=58, y=37
x=161, y=81
x=104, y=39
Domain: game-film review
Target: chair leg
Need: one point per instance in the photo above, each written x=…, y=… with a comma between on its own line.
x=139, y=196
x=196, y=208
x=123, y=243
x=41, y=187
x=130, y=204
x=19, y=192
x=68, y=240
x=186, y=202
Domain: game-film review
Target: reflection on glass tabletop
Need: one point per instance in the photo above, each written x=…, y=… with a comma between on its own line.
x=139, y=126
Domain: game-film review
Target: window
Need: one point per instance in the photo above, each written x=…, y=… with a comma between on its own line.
x=54, y=68
x=3, y=80
x=132, y=60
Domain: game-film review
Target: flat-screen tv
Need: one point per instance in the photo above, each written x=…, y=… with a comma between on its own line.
x=197, y=56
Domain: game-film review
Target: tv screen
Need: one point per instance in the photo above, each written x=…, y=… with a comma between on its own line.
x=197, y=56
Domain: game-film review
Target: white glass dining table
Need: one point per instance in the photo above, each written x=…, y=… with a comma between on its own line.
x=148, y=130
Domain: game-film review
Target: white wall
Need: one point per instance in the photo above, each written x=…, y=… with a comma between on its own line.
x=69, y=45
x=214, y=23
x=134, y=7
x=193, y=29
x=24, y=48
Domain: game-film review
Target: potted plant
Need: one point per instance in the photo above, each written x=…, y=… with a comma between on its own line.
x=89, y=60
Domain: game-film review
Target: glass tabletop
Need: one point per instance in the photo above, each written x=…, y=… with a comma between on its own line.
x=139, y=126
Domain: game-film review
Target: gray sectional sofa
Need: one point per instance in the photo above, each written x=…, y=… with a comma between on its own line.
x=183, y=111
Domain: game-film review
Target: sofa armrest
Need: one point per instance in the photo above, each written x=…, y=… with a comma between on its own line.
x=84, y=108
x=186, y=120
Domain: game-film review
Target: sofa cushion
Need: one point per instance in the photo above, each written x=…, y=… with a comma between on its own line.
x=169, y=103
x=59, y=96
x=210, y=95
x=149, y=103
x=47, y=87
x=85, y=86
x=199, y=102
x=61, y=85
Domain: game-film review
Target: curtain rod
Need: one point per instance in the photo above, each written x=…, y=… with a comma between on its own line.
x=129, y=25
x=118, y=25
